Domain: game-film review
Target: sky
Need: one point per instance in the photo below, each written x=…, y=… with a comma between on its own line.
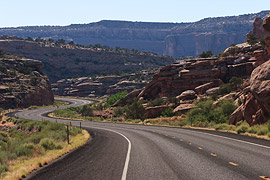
x=16, y=13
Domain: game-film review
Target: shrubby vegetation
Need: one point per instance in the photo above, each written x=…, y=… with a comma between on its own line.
x=233, y=85
x=114, y=98
x=30, y=138
x=206, y=112
x=206, y=54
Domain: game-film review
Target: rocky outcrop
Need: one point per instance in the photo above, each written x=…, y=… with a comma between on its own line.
x=258, y=29
x=256, y=106
x=22, y=83
x=78, y=61
x=196, y=74
x=187, y=95
x=97, y=87
x=266, y=23
x=174, y=39
x=152, y=112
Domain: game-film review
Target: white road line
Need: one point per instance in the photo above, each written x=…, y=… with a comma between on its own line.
x=124, y=174
x=233, y=139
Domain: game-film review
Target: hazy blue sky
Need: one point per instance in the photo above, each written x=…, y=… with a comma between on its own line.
x=64, y=12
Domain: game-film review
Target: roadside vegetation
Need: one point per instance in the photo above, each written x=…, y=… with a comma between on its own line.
x=56, y=103
x=26, y=145
x=210, y=112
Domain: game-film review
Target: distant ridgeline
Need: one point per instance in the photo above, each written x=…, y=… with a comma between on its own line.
x=66, y=60
x=173, y=39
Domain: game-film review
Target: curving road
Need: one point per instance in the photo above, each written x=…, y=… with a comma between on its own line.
x=137, y=152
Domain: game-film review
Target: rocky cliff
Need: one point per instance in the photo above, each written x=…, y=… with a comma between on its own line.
x=22, y=83
x=67, y=61
x=100, y=86
x=173, y=39
x=255, y=108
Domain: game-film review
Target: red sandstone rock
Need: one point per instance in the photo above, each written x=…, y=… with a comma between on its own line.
x=266, y=23
x=187, y=95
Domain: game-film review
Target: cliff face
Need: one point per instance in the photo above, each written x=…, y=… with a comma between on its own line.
x=22, y=83
x=256, y=106
x=173, y=39
x=63, y=62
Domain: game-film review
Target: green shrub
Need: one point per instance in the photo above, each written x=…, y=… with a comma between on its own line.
x=112, y=99
x=86, y=110
x=167, y=112
x=119, y=111
x=156, y=102
x=74, y=131
x=48, y=144
x=22, y=150
x=135, y=111
x=3, y=168
x=206, y=54
x=242, y=128
x=205, y=112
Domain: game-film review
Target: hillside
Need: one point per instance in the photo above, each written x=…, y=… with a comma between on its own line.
x=22, y=83
x=66, y=61
x=173, y=39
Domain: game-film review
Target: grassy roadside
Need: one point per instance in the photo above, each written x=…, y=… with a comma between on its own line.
x=56, y=103
x=26, y=145
x=258, y=131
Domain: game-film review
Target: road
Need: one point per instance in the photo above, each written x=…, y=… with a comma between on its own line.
x=137, y=152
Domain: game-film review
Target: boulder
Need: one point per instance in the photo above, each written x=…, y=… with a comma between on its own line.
x=203, y=88
x=182, y=108
x=156, y=111
x=212, y=91
x=256, y=106
x=187, y=95
x=266, y=23
x=267, y=45
x=260, y=85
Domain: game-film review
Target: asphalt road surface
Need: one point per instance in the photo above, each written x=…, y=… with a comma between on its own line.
x=137, y=152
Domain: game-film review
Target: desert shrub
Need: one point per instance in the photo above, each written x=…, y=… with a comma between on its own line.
x=119, y=111
x=167, y=112
x=224, y=126
x=86, y=110
x=22, y=150
x=233, y=85
x=206, y=112
x=251, y=39
x=48, y=144
x=135, y=111
x=74, y=131
x=3, y=168
x=156, y=102
x=242, y=128
x=112, y=99
x=34, y=81
x=206, y=54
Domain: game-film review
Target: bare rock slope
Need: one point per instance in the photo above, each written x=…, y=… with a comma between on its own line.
x=22, y=83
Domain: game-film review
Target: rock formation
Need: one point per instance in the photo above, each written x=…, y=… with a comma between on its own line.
x=82, y=61
x=258, y=30
x=173, y=39
x=22, y=83
x=99, y=86
x=196, y=74
x=255, y=108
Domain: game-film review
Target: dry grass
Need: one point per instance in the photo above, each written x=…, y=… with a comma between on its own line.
x=23, y=166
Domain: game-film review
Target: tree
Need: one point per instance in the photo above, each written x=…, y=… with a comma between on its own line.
x=251, y=39
x=206, y=54
x=86, y=110
x=135, y=111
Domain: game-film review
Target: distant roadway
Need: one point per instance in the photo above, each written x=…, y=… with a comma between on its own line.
x=138, y=152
